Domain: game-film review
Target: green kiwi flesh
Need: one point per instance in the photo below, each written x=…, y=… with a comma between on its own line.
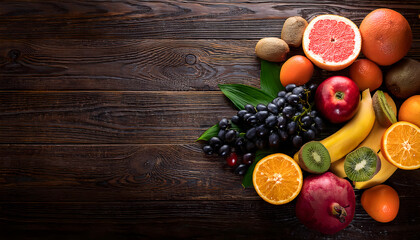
x=361, y=164
x=314, y=157
x=383, y=112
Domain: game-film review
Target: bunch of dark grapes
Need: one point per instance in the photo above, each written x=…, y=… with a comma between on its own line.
x=291, y=117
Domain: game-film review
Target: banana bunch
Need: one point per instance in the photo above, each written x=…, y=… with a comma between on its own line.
x=353, y=132
x=373, y=141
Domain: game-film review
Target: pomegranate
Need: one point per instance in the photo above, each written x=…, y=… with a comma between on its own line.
x=326, y=203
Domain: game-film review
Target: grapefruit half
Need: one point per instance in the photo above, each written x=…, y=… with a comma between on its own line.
x=332, y=42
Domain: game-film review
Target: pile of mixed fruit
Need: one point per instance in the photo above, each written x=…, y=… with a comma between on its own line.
x=277, y=131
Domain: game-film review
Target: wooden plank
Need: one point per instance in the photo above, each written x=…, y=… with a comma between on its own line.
x=99, y=173
x=162, y=19
x=109, y=117
x=151, y=64
x=188, y=219
x=115, y=173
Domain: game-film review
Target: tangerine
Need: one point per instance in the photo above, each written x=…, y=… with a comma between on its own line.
x=410, y=110
x=366, y=74
x=386, y=36
x=297, y=69
x=381, y=202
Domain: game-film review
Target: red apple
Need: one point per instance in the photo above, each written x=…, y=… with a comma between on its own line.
x=337, y=99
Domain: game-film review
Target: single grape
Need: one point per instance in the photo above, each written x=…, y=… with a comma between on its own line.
x=251, y=133
x=291, y=128
x=281, y=94
x=281, y=122
x=319, y=123
x=290, y=87
x=241, y=113
x=236, y=120
x=274, y=140
x=298, y=90
x=249, y=108
x=262, y=131
x=280, y=102
x=224, y=150
x=232, y=159
x=271, y=121
x=240, y=144
x=261, y=115
x=252, y=120
x=308, y=135
x=315, y=129
x=273, y=108
x=288, y=111
x=293, y=99
x=248, y=158
x=207, y=149
x=221, y=134
x=230, y=136
x=306, y=121
x=297, y=141
x=241, y=169
x=299, y=107
x=261, y=107
x=215, y=142
x=223, y=124
x=313, y=114
x=283, y=135
x=247, y=115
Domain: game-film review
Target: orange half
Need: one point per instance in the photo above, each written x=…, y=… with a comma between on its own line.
x=277, y=178
x=400, y=145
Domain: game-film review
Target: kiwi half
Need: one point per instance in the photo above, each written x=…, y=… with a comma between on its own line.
x=314, y=157
x=362, y=164
x=383, y=112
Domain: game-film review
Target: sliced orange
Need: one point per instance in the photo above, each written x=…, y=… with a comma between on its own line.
x=277, y=178
x=400, y=145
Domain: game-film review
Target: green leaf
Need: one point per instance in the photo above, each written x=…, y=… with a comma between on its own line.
x=209, y=133
x=270, y=78
x=260, y=154
x=240, y=95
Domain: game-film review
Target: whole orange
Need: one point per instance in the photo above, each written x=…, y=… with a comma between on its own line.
x=297, y=69
x=366, y=74
x=386, y=36
x=381, y=202
x=410, y=110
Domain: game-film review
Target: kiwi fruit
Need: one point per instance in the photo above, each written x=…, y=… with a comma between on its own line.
x=272, y=49
x=314, y=157
x=361, y=164
x=402, y=80
x=292, y=31
x=383, y=112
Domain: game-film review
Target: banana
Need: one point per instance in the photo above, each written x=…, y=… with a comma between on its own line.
x=373, y=141
x=386, y=171
x=353, y=132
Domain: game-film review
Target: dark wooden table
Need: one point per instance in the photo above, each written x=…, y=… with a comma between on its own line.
x=101, y=103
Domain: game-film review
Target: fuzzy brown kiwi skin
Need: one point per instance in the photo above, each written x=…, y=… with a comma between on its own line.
x=272, y=49
x=383, y=112
x=292, y=31
x=402, y=80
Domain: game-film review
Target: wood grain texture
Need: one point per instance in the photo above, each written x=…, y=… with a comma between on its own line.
x=109, y=117
x=126, y=64
x=173, y=19
x=187, y=219
x=101, y=103
x=65, y=173
x=109, y=173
